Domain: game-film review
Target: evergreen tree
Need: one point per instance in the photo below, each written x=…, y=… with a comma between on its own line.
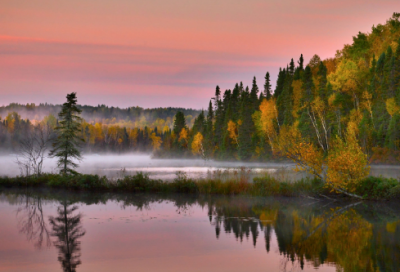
x=209, y=134
x=301, y=62
x=267, y=87
x=246, y=129
x=308, y=86
x=217, y=96
x=280, y=82
x=66, y=146
x=254, y=94
x=291, y=68
x=322, y=76
x=179, y=123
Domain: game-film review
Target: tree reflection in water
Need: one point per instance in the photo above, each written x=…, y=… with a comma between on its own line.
x=67, y=230
x=31, y=221
x=350, y=236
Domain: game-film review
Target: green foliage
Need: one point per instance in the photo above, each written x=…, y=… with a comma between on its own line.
x=66, y=146
x=377, y=187
x=179, y=122
x=219, y=183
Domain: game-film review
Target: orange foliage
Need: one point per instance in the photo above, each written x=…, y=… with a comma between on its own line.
x=197, y=144
x=233, y=131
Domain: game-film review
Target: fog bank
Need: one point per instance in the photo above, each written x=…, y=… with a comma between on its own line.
x=119, y=165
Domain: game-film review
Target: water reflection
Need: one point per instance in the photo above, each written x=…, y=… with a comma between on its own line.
x=354, y=237
x=67, y=230
x=357, y=236
x=32, y=222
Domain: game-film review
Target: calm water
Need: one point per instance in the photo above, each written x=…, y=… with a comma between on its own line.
x=54, y=231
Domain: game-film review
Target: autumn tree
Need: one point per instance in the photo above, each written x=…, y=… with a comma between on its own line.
x=197, y=145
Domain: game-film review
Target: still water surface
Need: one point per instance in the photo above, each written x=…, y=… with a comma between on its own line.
x=55, y=231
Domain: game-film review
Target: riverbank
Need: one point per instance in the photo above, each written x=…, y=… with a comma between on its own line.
x=370, y=188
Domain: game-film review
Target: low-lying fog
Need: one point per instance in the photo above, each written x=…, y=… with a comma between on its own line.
x=120, y=165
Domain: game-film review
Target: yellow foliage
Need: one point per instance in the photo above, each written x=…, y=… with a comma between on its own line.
x=183, y=135
x=166, y=129
x=268, y=119
x=391, y=107
x=347, y=163
x=345, y=231
x=155, y=141
x=331, y=100
x=344, y=78
x=306, y=155
x=233, y=132
x=10, y=122
x=197, y=144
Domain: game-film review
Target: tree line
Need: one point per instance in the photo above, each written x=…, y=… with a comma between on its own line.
x=355, y=93
x=124, y=117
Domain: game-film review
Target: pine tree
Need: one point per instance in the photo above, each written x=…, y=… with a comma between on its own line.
x=179, y=123
x=254, y=94
x=246, y=129
x=279, y=82
x=301, y=62
x=291, y=68
x=66, y=146
x=267, y=87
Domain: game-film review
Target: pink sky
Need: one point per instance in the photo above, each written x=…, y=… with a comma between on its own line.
x=161, y=53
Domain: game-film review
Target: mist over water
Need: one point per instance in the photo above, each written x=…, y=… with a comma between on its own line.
x=116, y=166
x=113, y=165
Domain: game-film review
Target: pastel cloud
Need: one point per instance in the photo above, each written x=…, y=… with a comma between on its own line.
x=164, y=53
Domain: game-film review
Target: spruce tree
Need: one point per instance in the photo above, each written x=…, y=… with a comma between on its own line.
x=179, y=123
x=254, y=94
x=301, y=62
x=246, y=129
x=66, y=146
x=267, y=87
x=279, y=83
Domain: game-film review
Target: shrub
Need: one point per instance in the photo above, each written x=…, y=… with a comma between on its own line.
x=377, y=187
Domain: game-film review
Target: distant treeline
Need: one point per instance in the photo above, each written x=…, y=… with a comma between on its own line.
x=132, y=116
x=105, y=129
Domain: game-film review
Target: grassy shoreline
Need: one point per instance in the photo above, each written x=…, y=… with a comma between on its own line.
x=371, y=188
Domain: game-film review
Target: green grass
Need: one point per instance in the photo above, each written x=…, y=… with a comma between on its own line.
x=218, y=183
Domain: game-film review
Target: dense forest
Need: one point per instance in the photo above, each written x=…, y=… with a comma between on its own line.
x=355, y=95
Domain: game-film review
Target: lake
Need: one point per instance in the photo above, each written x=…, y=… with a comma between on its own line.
x=48, y=230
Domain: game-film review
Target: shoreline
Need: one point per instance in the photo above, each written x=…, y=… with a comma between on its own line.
x=371, y=188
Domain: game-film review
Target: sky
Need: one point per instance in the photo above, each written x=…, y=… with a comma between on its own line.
x=161, y=53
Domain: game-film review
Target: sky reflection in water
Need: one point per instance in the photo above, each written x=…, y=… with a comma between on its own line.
x=50, y=231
